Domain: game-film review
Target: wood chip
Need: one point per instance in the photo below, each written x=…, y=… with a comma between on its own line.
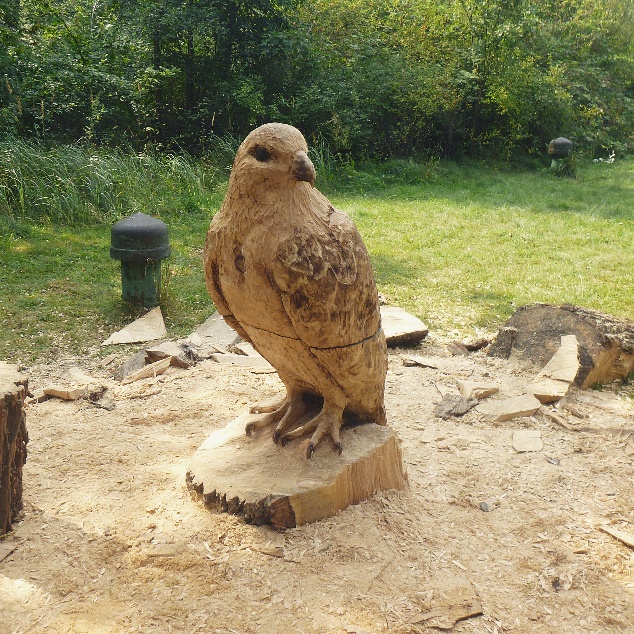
x=501, y=411
x=525, y=440
x=400, y=327
x=476, y=389
x=564, y=364
x=622, y=536
x=457, y=349
x=454, y=405
x=149, y=371
x=66, y=393
x=147, y=328
x=476, y=344
x=422, y=362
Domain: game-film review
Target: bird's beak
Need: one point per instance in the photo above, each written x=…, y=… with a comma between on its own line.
x=303, y=168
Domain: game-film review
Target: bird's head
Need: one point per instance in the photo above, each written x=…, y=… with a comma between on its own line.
x=274, y=155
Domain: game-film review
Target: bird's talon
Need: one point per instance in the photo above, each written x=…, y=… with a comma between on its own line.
x=249, y=429
x=284, y=440
x=277, y=437
x=339, y=448
x=310, y=450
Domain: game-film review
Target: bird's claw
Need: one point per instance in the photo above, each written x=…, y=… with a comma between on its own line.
x=284, y=440
x=339, y=448
x=249, y=429
x=310, y=450
x=277, y=437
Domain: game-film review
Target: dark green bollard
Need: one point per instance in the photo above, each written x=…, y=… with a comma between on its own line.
x=559, y=148
x=141, y=243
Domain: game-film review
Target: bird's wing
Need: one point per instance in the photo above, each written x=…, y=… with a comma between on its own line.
x=324, y=276
x=212, y=279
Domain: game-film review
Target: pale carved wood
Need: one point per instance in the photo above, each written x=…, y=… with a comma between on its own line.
x=292, y=276
x=254, y=479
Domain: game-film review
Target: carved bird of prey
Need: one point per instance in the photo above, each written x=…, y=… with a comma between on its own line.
x=291, y=275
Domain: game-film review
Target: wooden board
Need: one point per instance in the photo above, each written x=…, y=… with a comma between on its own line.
x=268, y=484
x=13, y=439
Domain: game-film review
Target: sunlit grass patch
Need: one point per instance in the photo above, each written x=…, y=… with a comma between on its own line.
x=461, y=246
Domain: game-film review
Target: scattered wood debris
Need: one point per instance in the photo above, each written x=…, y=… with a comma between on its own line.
x=525, y=440
x=245, y=349
x=74, y=384
x=150, y=327
x=476, y=389
x=508, y=409
x=553, y=381
x=215, y=333
x=241, y=360
x=614, y=432
x=622, y=536
x=490, y=505
x=457, y=349
x=454, y=405
x=452, y=599
x=400, y=327
x=179, y=355
x=151, y=370
x=473, y=345
x=423, y=362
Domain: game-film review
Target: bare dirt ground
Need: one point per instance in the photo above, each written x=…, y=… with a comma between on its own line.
x=112, y=542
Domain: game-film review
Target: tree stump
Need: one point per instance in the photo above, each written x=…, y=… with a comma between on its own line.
x=13, y=439
x=533, y=334
x=264, y=483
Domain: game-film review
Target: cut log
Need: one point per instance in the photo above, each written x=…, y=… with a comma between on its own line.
x=13, y=439
x=267, y=484
x=533, y=334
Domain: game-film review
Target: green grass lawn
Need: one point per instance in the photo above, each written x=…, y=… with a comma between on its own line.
x=464, y=250
x=459, y=246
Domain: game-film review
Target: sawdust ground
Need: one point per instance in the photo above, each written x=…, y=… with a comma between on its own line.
x=112, y=542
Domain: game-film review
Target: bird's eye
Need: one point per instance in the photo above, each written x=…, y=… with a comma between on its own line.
x=261, y=154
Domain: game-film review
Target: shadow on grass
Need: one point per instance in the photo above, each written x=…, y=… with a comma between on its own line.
x=603, y=191
x=391, y=270
x=494, y=307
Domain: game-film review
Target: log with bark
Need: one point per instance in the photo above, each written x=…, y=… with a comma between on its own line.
x=533, y=334
x=13, y=439
x=266, y=484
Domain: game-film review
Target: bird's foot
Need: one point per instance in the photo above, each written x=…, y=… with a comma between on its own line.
x=288, y=412
x=268, y=406
x=273, y=416
x=327, y=422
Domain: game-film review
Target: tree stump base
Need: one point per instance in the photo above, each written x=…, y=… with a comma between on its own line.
x=533, y=334
x=13, y=439
x=267, y=484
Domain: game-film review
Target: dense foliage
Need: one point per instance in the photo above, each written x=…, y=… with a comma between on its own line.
x=367, y=77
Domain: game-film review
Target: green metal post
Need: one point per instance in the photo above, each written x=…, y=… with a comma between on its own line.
x=141, y=283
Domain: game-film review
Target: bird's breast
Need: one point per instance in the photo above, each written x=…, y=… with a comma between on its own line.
x=247, y=284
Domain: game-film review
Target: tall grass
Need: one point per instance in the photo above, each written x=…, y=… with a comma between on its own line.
x=73, y=185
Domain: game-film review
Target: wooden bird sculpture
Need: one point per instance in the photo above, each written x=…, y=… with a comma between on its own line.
x=292, y=276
